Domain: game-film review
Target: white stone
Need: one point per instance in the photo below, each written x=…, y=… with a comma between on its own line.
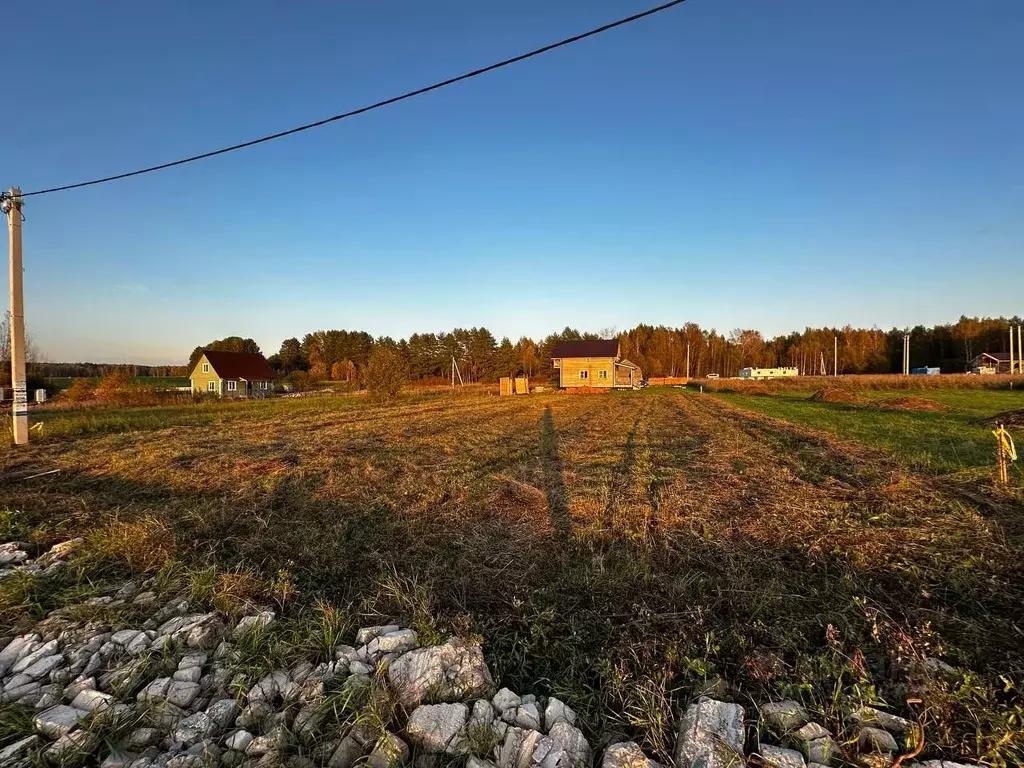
x=141, y=738
x=784, y=716
x=876, y=740
x=93, y=701
x=71, y=748
x=482, y=713
x=366, y=634
x=155, y=690
x=14, y=754
x=24, y=662
x=389, y=752
x=188, y=675
x=193, y=659
x=451, y=672
x=259, y=746
x=347, y=753
x=13, y=649
x=125, y=637
x=625, y=754
x=505, y=700
x=193, y=728
x=565, y=747
x=557, y=711
x=359, y=668
x=57, y=721
x=223, y=712
x=710, y=735
x=518, y=748
x=438, y=728
x=182, y=694
x=239, y=740
x=44, y=666
x=254, y=623
x=777, y=757
x=876, y=717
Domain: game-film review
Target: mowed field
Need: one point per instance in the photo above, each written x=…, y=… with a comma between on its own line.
x=624, y=550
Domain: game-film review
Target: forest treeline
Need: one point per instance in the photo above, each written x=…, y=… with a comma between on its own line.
x=659, y=350
x=340, y=355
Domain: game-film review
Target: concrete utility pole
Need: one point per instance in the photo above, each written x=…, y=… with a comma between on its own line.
x=1020, y=352
x=11, y=205
x=906, y=354
x=1011, y=351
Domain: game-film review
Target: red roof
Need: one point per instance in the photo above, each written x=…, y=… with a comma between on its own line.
x=588, y=348
x=240, y=365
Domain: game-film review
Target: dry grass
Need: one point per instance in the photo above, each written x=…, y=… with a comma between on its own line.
x=621, y=550
x=833, y=395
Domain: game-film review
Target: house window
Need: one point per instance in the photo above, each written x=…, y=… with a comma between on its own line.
x=602, y=374
x=206, y=367
x=211, y=386
x=584, y=374
x=232, y=386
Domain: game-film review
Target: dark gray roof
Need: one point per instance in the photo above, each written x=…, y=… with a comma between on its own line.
x=592, y=348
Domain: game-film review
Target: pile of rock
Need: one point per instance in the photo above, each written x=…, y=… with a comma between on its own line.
x=14, y=557
x=173, y=693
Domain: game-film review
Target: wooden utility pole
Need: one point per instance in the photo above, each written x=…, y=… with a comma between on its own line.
x=687, y=361
x=835, y=356
x=11, y=205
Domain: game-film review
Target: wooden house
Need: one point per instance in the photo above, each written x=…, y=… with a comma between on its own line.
x=232, y=374
x=995, y=362
x=595, y=363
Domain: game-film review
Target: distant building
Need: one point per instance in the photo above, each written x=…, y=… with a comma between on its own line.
x=768, y=373
x=991, y=362
x=595, y=363
x=232, y=374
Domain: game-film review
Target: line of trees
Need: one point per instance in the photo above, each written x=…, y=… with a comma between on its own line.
x=342, y=355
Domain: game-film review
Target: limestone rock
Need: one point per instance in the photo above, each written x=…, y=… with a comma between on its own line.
x=710, y=735
x=625, y=754
x=784, y=716
x=879, y=719
x=72, y=748
x=58, y=721
x=249, y=624
x=348, y=752
x=876, y=741
x=389, y=752
x=563, y=747
x=777, y=757
x=518, y=748
x=557, y=711
x=366, y=634
x=239, y=740
x=15, y=754
x=438, y=728
x=450, y=672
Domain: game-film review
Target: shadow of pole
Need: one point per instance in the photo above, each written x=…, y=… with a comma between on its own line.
x=554, y=479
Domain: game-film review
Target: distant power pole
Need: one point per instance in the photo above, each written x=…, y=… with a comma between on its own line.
x=1011, y=350
x=1020, y=352
x=10, y=203
x=687, y=360
x=906, y=354
x=835, y=356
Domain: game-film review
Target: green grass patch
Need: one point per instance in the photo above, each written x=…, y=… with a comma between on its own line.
x=935, y=442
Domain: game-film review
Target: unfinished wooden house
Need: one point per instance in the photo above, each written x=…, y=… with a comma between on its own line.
x=596, y=363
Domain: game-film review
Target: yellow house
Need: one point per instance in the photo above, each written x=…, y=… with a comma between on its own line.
x=594, y=363
x=232, y=374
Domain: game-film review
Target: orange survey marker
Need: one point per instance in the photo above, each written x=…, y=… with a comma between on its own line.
x=1005, y=452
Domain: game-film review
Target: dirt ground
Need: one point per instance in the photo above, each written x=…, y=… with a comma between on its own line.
x=623, y=550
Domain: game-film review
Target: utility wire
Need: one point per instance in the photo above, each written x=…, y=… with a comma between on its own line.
x=370, y=107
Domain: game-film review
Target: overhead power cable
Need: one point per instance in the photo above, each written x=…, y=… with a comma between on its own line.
x=369, y=107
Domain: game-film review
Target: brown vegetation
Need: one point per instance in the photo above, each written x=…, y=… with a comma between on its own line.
x=834, y=395
x=621, y=549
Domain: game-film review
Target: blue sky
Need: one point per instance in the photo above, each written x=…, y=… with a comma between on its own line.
x=738, y=163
